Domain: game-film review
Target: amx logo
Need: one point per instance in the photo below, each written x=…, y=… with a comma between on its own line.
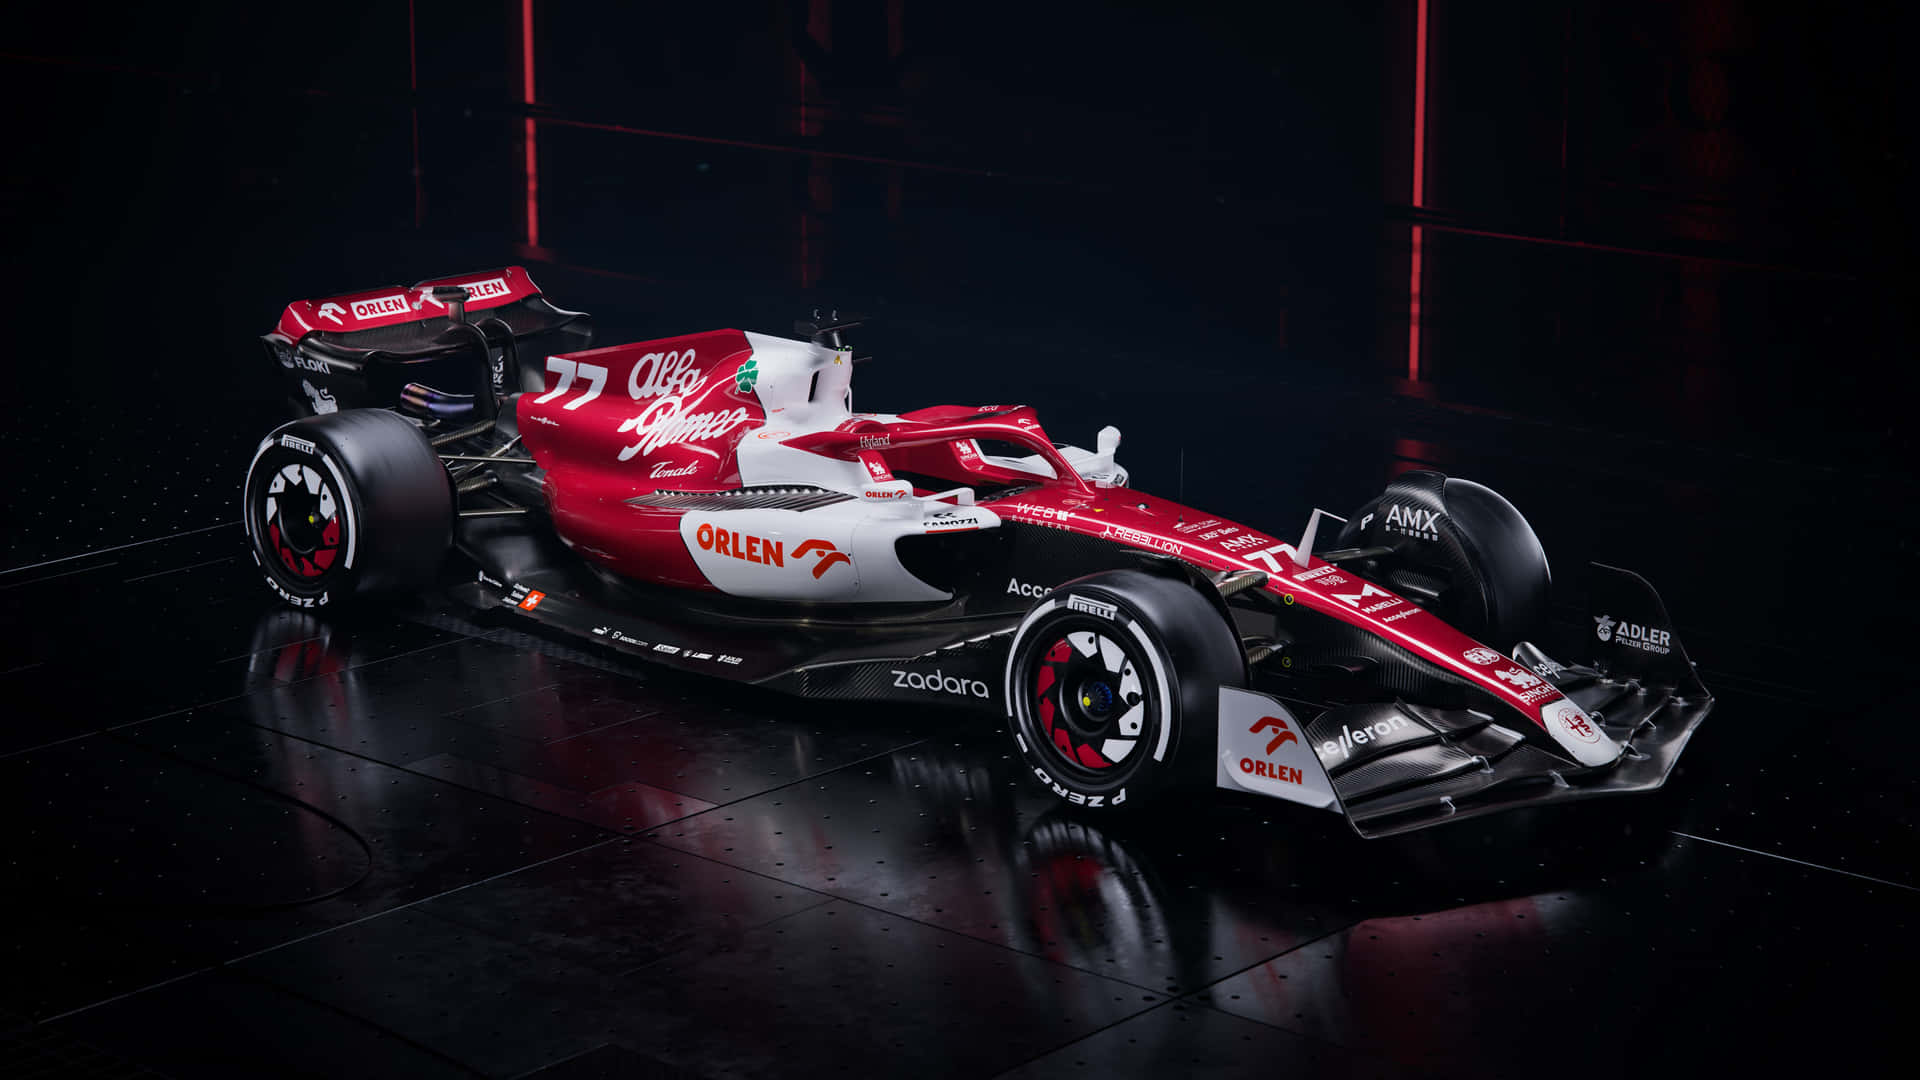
x=1093, y=607
x=1413, y=521
x=934, y=682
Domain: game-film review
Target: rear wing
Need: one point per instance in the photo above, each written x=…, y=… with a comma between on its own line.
x=429, y=350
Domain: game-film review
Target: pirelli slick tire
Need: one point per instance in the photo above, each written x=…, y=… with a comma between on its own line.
x=1113, y=685
x=344, y=504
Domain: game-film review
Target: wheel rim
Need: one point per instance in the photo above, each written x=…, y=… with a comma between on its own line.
x=1091, y=700
x=302, y=523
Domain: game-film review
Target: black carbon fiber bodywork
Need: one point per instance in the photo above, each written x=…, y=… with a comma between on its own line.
x=1429, y=766
x=827, y=651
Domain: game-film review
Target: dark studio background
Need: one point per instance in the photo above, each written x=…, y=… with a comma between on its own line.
x=1662, y=299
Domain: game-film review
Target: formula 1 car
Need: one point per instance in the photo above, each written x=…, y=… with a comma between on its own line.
x=713, y=503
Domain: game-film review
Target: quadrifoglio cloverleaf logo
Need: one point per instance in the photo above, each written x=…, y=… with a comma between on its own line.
x=748, y=374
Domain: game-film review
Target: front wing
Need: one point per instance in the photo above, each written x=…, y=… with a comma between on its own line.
x=1393, y=767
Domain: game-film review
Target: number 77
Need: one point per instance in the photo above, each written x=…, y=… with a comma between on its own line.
x=595, y=375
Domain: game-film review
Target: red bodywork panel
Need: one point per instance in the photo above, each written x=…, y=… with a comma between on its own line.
x=396, y=304
x=669, y=415
x=631, y=419
x=1159, y=525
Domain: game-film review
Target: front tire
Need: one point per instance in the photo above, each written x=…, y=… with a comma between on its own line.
x=1112, y=688
x=343, y=504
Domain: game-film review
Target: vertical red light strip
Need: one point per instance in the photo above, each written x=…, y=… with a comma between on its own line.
x=532, y=166
x=413, y=85
x=1419, y=184
x=820, y=29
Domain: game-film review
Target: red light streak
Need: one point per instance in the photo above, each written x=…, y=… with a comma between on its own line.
x=531, y=165
x=1419, y=186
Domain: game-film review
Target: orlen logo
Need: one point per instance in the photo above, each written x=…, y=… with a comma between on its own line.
x=766, y=551
x=749, y=548
x=1481, y=655
x=483, y=290
x=381, y=306
x=476, y=290
x=1285, y=735
x=934, y=682
x=1286, y=774
x=829, y=555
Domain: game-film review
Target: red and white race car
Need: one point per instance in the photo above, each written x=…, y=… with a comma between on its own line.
x=713, y=503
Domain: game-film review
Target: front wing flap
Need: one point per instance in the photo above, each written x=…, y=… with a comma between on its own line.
x=1394, y=767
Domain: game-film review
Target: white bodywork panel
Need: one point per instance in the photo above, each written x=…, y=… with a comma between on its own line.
x=1577, y=734
x=766, y=553
x=1263, y=749
x=843, y=552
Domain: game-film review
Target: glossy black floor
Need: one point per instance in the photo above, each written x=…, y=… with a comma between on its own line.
x=246, y=841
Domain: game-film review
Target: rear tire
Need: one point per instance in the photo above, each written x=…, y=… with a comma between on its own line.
x=344, y=504
x=1113, y=685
